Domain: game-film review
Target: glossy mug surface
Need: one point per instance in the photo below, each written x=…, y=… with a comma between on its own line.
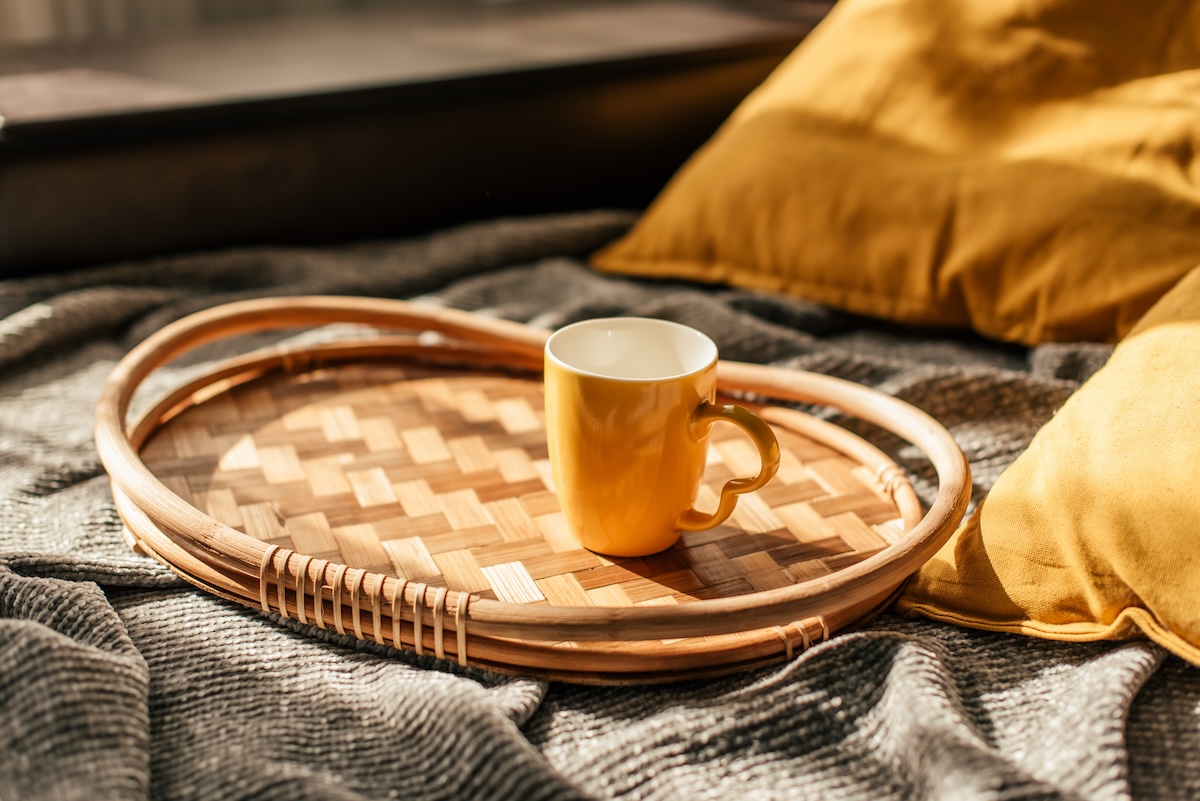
x=629, y=407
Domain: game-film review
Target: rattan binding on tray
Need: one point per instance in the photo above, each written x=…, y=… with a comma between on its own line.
x=435, y=531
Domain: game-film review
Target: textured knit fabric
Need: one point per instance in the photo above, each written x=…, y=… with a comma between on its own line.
x=120, y=681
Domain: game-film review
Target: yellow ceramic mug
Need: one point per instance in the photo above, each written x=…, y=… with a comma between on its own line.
x=629, y=406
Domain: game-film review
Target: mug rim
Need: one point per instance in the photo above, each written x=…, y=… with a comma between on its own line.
x=594, y=322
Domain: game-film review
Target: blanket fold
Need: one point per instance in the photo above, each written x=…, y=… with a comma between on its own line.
x=117, y=680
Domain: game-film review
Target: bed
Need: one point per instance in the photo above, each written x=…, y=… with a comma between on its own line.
x=122, y=681
x=1003, y=262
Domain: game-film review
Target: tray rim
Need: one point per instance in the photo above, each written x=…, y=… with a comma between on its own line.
x=467, y=336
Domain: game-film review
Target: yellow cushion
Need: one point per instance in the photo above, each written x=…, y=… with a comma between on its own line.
x=1094, y=531
x=1023, y=168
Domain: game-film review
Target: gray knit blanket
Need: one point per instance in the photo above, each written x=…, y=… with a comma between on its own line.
x=119, y=681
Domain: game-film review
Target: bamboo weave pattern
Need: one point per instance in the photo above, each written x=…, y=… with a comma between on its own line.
x=442, y=478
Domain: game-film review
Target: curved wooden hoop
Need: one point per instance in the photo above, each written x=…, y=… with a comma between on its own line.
x=234, y=560
x=587, y=663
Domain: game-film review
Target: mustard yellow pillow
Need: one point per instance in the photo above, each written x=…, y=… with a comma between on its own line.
x=1094, y=531
x=1023, y=168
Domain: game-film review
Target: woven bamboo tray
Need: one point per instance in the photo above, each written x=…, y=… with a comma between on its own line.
x=397, y=489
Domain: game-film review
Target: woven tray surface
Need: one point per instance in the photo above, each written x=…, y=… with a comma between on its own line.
x=441, y=476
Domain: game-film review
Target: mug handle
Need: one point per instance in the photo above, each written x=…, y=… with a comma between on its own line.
x=768, y=448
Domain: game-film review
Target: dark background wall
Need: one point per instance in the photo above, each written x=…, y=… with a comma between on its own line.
x=286, y=133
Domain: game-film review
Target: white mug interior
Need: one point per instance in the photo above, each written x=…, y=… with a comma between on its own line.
x=631, y=348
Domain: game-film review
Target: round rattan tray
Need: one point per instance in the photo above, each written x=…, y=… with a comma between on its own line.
x=397, y=489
